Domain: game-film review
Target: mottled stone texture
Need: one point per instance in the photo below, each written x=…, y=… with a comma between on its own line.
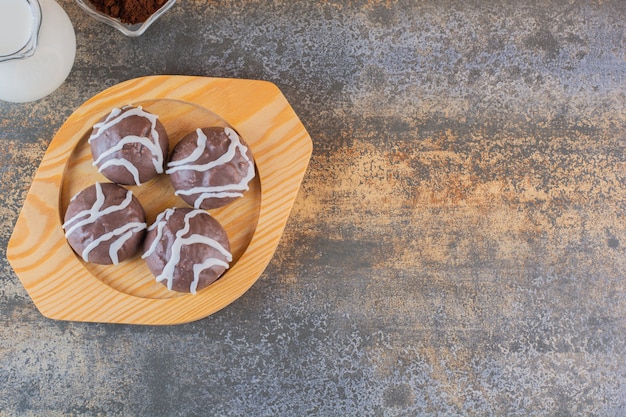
x=458, y=245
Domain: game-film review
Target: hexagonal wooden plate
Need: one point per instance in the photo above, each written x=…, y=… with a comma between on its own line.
x=64, y=287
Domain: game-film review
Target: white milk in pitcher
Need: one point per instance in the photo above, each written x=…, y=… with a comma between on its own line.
x=37, y=49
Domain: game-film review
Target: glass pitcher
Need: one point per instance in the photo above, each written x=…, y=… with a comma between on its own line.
x=37, y=49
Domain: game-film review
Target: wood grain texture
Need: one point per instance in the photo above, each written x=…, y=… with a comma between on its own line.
x=65, y=287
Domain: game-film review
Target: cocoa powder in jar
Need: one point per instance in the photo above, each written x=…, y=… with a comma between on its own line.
x=128, y=11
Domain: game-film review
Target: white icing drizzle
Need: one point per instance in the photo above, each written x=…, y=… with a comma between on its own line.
x=159, y=224
x=124, y=232
x=115, y=117
x=198, y=268
x=219, y=191
x=124, y=163
x=179, y=243
x=201, y=142
x=96, y=212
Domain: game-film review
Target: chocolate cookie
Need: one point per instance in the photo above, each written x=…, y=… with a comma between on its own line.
x=211, y=167
x=105, y=224
x=186, y=249
x=129, y=145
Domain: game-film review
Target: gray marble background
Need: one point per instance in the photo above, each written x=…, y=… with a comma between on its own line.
x=457, y=247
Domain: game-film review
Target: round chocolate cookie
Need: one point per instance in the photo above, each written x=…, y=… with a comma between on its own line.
x=211, y=167
x=105, y=224
x=186, y=249
x=129, y=145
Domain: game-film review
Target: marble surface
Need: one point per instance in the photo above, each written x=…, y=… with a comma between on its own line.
x=457, y=247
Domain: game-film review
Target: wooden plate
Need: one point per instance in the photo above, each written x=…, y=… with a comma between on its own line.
x=64, y=287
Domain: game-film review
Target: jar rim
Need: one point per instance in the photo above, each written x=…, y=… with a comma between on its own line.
x=31, y=44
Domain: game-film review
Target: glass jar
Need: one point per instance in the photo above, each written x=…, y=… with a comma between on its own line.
x=37, y=49
x=128, y=29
